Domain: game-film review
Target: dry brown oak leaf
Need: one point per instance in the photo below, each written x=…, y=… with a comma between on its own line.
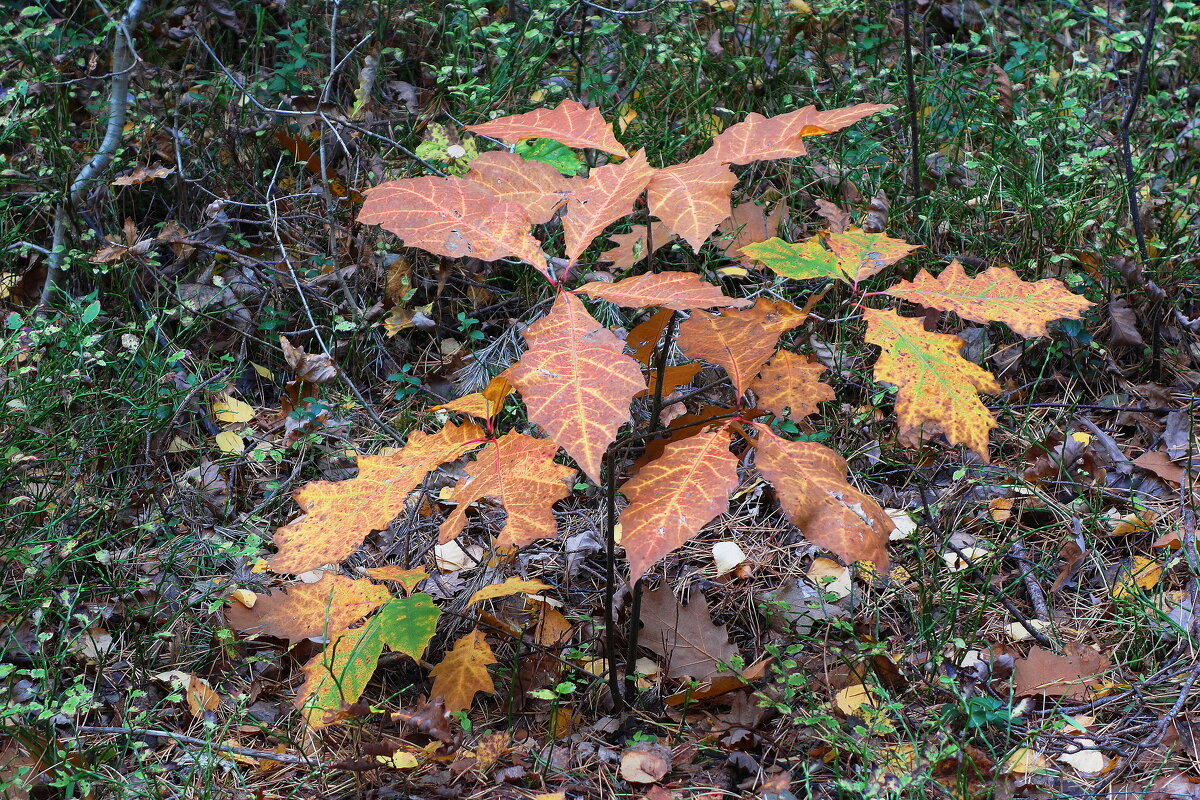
x=576, y=381
x=674, y=496
x=741, y=340
x=453, y=217
x=643, y=339
x=632, y=247
x=339, y=515
x=307, y=610
x=788, y=386
x=606, y=196
x=534, y=185
x=692, y=198
x=570, y=122
x=995, y=295
x=1071, y=675
x=678, y=291
x=937, y=389
x=463, y=672
x=685, y=636
x=520, y=472
x=749, y=223
x=810, y=481
x=759, y=138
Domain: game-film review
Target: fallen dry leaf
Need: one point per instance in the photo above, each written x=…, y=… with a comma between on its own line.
x=684, y=635
x=1071, y=675
x=645, y=762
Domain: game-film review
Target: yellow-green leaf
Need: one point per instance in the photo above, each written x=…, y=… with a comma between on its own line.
x=800, y=261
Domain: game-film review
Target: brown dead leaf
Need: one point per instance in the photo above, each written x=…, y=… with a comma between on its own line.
x=685, y=636
x=645, y=762
x=1050, y=675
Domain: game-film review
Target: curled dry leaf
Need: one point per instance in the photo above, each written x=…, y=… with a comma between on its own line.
x=313, y=368
x=645, y=762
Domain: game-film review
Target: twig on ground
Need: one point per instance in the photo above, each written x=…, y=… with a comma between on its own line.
x=123, y=60
x=283, y=758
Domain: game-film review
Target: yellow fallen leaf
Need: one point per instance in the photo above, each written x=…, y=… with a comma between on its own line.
x=260, y=565
x=733, y=272
x=1143, y=574
x=1086, y=762
x=263, y=371
x=1022, y=761
x=1019, y=631
x=854, y=697
x=1134, y=523
x=230, y=409
x=244, y=596
x=1001, y=508
x=401, y=759
x=1082, y=438
x=230, y=443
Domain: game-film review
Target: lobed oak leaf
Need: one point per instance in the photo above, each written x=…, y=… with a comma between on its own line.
x=937, y=389
x=685, y=636
x=759, y=138
x=742, y=340
x=788, y=386
x=520, y=472
x=632, y=247
x=1074, y=675
x=692, y=198
x=570, y=122
x=340, y=514
x=996, y=295
x=748, y=224
x=309, y=610
x=463, y=672
x=810, y=481
x=337, y=676
x=576, y=381
x=535, y=186
x=864, y=254
x=453, y=217
x=674, y=496
x=800, y=261
x=678, y=291
x=606, y=196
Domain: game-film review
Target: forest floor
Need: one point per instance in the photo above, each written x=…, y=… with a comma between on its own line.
x=1038, y=633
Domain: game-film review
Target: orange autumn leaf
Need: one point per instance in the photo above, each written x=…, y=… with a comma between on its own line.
x=741, y=340
x=606, y=196
x=576, y=381
x=309, y=610
x=534, y=185
x=996, y=295
x=674, y=496
x=632, y=247
x=407, y=578
x=759, y=138
x=644, y=337
x=340, y=514
x=483, y=405
x=810, y=481
x=570, y=123
x=861, y=254
x=937, y=389
x=673, y=377
x=453, y=217
x=679, y=291
x=788, y=386
x=692, y=199
x=520, y=472
x=463, y=672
